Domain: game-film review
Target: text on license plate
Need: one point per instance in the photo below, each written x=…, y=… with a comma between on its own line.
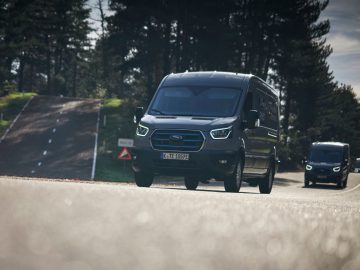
x=175, y=156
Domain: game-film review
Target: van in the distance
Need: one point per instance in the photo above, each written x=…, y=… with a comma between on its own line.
x=328, y=162
x=203, y=125
x=357, y=166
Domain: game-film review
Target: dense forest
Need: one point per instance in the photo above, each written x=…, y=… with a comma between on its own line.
x=45, y=47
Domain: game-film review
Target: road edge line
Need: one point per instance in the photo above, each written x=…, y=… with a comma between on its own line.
x=14, y=121
x=347, y=191
x=96, y=142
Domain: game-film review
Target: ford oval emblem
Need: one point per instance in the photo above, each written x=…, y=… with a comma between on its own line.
x=176, y=137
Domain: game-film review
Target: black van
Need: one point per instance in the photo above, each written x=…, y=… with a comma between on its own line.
x=329, y=162
x=357, y=166
x=204, y=125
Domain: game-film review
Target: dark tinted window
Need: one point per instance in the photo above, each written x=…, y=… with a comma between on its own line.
x=326, y=155
x=196, y=101
x=267, y=107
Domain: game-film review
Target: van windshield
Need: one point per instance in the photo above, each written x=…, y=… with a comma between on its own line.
x=203, y=101
x=357, y=164
x=326, y=155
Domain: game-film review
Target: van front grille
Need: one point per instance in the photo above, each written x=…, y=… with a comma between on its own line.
x=322, y=171
x=177, y=140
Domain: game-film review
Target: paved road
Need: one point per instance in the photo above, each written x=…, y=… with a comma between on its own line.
x=53, y=137
x=87, y=225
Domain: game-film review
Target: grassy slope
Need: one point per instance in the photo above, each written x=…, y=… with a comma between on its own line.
x=10, y=106
x=118, y=124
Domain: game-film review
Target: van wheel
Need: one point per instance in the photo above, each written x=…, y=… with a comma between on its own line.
x=143, y=179
x=191, y=183
x=265, y=185
x=233, y=183
x=306, y=183
x=340, y=184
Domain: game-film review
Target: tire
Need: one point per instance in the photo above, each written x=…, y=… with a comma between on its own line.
x=265, y=185
x=339, y=185
x=306, y=183
x=233, y=183
x=191, y=183
x=143, y=179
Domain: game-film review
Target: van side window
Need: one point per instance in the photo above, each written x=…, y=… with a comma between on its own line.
x=267, y=107
x=248, y=103
x=272, y=113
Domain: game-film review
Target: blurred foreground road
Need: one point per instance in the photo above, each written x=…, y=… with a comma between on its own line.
x=86, y=225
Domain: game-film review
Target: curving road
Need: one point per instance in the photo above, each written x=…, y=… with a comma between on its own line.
x=53, y=137
x=48, y=224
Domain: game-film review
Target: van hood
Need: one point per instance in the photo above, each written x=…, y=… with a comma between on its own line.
x=186, y=122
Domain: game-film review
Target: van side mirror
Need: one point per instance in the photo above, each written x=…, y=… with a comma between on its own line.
x=139, y=113
x=252, y=120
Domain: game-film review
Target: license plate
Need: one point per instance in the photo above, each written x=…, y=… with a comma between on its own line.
x=321, y=176
x=175, y=156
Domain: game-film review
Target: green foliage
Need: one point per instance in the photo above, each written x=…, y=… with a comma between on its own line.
x=118, y=124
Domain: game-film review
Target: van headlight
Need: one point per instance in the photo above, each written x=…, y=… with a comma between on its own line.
x=221, y=133
x=336, y=169
x=308, y=167
x=141, y=130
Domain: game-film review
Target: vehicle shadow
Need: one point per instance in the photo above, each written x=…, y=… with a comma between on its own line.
x=323, y=186
x=284, y=182
x=201, y=190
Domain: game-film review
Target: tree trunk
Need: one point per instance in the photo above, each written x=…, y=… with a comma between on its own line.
x=48, y=68
x=74, y=78
x=287, y=112
x=21, y=74
x=166, y=52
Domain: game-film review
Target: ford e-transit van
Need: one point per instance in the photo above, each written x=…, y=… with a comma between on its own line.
x=204, y=125
x=329, y=162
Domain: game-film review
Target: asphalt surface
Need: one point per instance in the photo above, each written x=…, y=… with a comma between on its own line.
x=47, y=224
x=53, y=137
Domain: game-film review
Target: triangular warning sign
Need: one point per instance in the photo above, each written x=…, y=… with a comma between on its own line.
x=124, y=154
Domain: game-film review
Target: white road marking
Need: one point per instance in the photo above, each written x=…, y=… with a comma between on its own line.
x=39, y=163
x=45, y=153
x=346, y=191
x=95, y=147
x=16, y=118
x=54, y=130
x=50, y=141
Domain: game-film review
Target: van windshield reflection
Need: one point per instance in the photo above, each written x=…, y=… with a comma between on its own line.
x=202, y=101
x=326, y=156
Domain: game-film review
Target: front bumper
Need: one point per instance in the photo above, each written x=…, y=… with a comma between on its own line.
x=206, y=163
x=324, y=178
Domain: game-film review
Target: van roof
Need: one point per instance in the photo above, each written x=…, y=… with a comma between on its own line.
x=339, y=144
x=216, y=78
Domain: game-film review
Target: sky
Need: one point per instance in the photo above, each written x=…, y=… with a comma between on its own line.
x=344, y=38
